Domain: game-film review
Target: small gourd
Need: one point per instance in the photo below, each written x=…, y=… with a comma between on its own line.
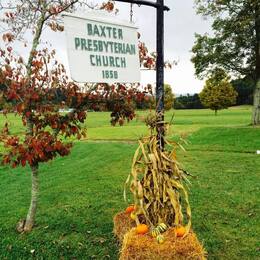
x=133, y=215
x=160, y=239
x=142, y=229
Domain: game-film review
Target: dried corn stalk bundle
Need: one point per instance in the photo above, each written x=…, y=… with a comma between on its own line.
x=158, y=185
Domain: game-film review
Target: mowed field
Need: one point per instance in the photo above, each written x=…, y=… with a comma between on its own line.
x=80, y=194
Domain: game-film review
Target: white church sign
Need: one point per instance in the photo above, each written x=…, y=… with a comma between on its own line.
x=102, y=49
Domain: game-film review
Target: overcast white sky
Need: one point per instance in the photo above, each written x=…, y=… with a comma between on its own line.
x=181, y=22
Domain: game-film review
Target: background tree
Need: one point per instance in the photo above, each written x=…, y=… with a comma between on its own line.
x=3, y=104
x=218, y=92
x=148, y=101
x=235, y=43
x=245, y=90
x=188, y=102
x=168, y=97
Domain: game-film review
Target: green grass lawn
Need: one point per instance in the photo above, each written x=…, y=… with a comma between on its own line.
x=80, y=194
x=184, y=122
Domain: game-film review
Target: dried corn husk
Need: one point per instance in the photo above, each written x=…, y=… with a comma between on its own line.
x=158, y=184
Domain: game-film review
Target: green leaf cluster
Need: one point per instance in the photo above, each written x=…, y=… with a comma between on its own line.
x=234, y=43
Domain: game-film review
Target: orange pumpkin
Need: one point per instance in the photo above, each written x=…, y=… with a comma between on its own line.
x=130, y=209
x=142, y=229
x=180, y=231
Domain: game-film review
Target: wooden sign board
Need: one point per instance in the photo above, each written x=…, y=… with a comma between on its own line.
x=102, y=49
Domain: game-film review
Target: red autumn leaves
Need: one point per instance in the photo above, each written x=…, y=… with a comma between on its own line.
x=37, y=101
x=33, y=150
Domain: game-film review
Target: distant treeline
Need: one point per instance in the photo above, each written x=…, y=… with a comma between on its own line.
x=188, y=102
x=243, y=87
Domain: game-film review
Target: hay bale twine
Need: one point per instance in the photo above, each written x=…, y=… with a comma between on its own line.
x=145, y=247
x=122, y=224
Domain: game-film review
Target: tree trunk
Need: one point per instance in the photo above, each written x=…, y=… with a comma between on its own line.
x=216, y=112
x=256, y=105
x=27, y=225
x=30, y=219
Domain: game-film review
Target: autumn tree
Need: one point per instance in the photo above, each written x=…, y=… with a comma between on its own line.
x=235, y=43
x=34, y=98
x=32, y=86
x=218, y=93
x=38, y=87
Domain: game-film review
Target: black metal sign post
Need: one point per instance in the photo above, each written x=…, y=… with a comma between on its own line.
x=160, y=57
x=160, y=72
x=159, y=5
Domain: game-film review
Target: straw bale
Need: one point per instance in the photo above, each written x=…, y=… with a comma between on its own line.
x=122, y=224
x=145, y=247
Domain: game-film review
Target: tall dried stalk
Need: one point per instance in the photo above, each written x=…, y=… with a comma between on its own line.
x=158, y=184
